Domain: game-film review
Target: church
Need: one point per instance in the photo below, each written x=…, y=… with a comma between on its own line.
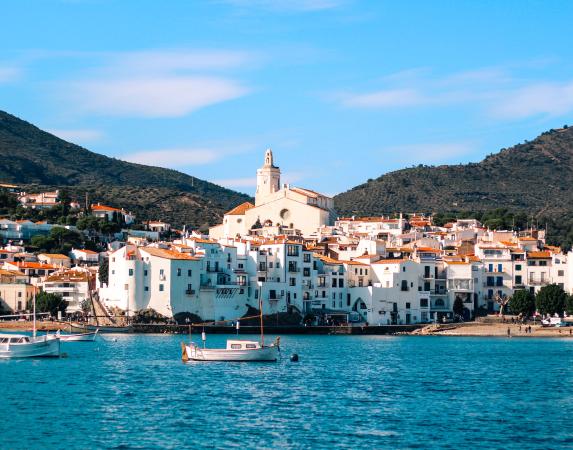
x=277, y=209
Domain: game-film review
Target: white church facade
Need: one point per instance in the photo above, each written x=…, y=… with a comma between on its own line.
x=277, y=208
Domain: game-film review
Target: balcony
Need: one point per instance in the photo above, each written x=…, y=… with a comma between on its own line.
x=190, y=292
x=294, y=269
x=214, y=269
x=538, y=282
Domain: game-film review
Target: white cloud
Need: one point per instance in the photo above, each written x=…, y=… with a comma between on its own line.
x=383, y=99
x=168, y=61
x=250, y=182
x=287, y=5
x=174, y=158
x=166, y=96
x=553, y=99
x=77, y=135
x=490, y=90
x=156, y=83
x=427, y=153
x=9, y=74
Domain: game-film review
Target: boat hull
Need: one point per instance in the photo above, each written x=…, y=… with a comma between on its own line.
x=80, y=337
x=39, y=347
x=195, y=353
x=101, y=329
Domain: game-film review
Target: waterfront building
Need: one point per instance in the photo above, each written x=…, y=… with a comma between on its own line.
x=72, y=285
x=15, y=291
x=278, y=209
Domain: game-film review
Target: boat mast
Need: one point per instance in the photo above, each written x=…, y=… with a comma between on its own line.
x=34, y=309
x=262, y=332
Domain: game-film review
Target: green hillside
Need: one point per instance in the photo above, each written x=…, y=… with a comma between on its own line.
x=36, y=159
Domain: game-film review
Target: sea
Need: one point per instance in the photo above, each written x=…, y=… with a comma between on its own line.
x=376, y=392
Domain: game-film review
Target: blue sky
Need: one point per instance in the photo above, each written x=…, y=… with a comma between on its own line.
x=342, y=90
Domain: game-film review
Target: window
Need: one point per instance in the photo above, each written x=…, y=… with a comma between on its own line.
x=560, y=273
x=178, y=272
x=113, y=272
x=161, y=272
x=333, y=305
x=518, y=279
x=404, y=285
x=334, y=282
x=518, y=267
x=403, y=269
x=189, y=272
x=236, y=346
x=490, y=268
x=407, y=305
x=530, y=263
x=250, y=346
x=278, y=265
x=341, y=282
x=490, y=281
x=130, y=272
x=270, y=265
x=500, y=267
x=499, y=281
x=161, y=288
x=306, y=272
x=272, y=294
x=292, y=250
x=306, y=257
x=542, y=263
x=146, y=288
x=424, y=302
x=292, y=282
x=490, y=293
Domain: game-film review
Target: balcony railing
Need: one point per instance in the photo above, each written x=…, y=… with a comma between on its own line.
x=294, y=269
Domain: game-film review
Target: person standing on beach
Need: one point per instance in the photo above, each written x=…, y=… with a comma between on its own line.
x=508, y=332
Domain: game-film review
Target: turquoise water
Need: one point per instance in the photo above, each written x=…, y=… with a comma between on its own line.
x=346, y=392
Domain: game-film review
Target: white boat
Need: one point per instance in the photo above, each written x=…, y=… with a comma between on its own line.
x=237, y=350
x=101, y=329
x=78, y=337
x=22, y=346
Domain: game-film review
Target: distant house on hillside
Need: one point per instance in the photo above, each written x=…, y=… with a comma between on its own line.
x=83, y=256
x=43, y=200
x=107, y=212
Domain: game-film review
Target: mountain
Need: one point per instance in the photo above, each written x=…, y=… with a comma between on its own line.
x=38, y=160
x=535, y=177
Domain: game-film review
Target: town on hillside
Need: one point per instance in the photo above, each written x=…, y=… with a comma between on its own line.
x=288, y=252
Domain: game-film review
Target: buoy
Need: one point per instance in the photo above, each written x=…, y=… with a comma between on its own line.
x=294, y=357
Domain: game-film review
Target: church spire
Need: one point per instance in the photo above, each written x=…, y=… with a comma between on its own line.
x=269, y=158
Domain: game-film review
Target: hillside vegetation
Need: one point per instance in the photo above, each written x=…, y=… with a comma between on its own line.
x=533, y=179
x=39, y=160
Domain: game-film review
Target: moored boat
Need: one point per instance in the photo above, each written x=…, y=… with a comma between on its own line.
x=236, y=350
x=81, y=328
x=22, y=346
x=78, y=337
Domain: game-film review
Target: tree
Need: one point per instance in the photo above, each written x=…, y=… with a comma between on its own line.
x=569, y=305
x=52, y=303
x=551, y=300
x=458, y=307
x=257, y=225
x=104, y=271
x=522, y=302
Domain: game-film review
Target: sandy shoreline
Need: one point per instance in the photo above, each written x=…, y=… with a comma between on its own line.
x=494, y=330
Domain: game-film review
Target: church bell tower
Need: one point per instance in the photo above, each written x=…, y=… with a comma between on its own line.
x=268, y=179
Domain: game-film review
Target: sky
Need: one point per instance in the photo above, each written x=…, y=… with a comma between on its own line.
x=341, y=90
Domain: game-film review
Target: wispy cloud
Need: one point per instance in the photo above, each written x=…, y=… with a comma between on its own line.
x=493, y=91
x=167, y=96
x=426, y=153
x=383, y=99
x=553, y=99
x=156, y=83
x=174, y=158
x=9, y=74
x=287, y=5
x=78, y=135
x=249, y=182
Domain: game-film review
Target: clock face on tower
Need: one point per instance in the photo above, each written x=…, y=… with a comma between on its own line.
x=285, y=214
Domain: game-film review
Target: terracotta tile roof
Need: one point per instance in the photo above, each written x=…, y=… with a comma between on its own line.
x=54, y=255
x=168, y=254
x=390, y=261
x=539, y=255
x=35, y=265
x=240, y=210
x=71, y=276
x=428, y=250
x=354, y=263
x=104, y=208
x=86, y=251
